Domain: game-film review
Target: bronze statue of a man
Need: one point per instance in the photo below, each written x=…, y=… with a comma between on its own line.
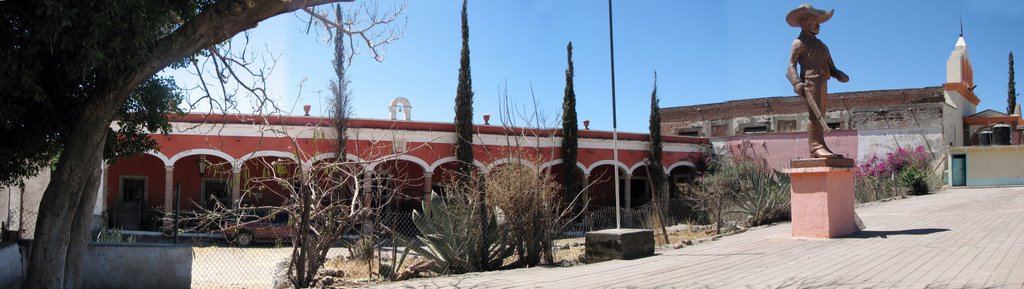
x=816, y=67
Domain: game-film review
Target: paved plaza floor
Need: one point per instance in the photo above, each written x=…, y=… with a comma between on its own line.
x=957, y=238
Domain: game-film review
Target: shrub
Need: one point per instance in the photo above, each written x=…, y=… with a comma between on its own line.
x=363, y=248
x=106, y=235
x=914, y=179
x=744, y=192
x=893, y=174
x=451, y=234
x=529, y=203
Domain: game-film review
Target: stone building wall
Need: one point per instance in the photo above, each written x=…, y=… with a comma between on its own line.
x=864, y=124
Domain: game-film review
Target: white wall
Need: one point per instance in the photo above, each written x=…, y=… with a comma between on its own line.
x=24, y=202
x=965, y=107
x=880, y=142
x=953, y=126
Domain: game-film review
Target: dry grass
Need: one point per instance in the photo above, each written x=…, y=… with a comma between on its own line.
x=677, y=236
x=354, y=269
x=359, y=272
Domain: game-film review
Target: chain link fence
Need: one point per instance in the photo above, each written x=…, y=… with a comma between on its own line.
x=358, y=259
x=19, y=225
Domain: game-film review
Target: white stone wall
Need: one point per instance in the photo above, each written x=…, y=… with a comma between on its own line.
x=880, y=142
x=21, y=205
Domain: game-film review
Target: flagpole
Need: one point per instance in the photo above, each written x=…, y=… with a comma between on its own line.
x=615, y=129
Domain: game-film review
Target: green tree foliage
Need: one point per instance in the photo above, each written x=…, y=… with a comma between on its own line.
x=654, y=164
x=1011, y=92
x=70, y=69
x=464, y=135
x=570, y=133
x=464, y=104
x=339, y=88
x=56, y=54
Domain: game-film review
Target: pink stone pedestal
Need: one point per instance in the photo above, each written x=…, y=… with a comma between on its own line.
x=822, y=201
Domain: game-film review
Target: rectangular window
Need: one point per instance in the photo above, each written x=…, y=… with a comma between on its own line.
x=755, y=129
x=835, y=125
x=693, y=132
x=720, y=130
x=785, y=125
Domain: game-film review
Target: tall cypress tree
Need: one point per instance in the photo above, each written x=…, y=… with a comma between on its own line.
x=570, y=133
x=1011, y=93
x=464, y=105
x=656, y=172
x=464, y=143
x=340, y=90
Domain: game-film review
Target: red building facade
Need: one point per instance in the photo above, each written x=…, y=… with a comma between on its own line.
x=419, y=155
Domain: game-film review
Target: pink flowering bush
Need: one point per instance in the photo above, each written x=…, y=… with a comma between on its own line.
x=893, y=162
x=883, y=177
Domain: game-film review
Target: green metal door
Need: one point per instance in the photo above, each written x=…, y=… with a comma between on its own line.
x=959, y=170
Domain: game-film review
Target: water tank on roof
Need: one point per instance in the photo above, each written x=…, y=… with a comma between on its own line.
x=1001, y=134
x=985, y=138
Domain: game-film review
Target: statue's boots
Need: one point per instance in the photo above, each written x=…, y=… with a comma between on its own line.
x=825, y=153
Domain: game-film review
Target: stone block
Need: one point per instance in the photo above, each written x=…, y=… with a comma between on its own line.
x=822, y=202
x=621, y=244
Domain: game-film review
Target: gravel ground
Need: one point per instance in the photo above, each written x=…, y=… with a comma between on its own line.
x=227, y=267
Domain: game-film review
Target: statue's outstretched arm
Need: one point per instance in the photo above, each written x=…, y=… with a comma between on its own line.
x=835, y=72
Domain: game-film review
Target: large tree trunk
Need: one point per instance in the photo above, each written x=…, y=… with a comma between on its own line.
x=80, y=227
x=74, y=174
x=61, y=202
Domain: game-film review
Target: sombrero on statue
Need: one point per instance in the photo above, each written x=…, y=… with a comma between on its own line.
x=797, y=16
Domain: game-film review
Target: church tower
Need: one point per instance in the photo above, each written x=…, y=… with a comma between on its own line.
x=959, y=86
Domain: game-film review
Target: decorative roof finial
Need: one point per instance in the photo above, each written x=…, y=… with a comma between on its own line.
x=961, y=25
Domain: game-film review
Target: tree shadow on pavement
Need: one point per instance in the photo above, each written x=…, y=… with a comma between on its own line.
x=867, y=234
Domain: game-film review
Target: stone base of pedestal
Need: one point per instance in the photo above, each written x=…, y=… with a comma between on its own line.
x=822, y=202
x=622, y=244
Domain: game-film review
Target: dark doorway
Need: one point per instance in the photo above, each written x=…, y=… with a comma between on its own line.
x=215, y=194
x=130, y=206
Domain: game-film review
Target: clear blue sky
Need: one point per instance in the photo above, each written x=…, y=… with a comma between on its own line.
x=707, y=51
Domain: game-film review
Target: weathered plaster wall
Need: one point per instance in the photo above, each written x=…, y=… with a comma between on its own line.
x=781, y=148
x=114, y=266
x=880, y=142
x=134, y=266
x=12, y=265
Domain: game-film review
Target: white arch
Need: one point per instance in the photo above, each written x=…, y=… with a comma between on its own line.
x=444, y=160
x=550, y=164
x=678, y=164
x=194, y=152
x=162, y=157
x=423, y=164
x=257, y=154
x=511, y=160
x=325, y=156
x=632, y=169
x=605, y=162
x=403, y=102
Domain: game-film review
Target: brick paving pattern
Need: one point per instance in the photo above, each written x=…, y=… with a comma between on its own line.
x=958, y=238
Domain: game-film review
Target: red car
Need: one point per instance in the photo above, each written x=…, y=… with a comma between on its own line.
x=257, y=225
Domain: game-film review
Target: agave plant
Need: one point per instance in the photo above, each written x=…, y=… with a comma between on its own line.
x=450, y=237
x=760, y=194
